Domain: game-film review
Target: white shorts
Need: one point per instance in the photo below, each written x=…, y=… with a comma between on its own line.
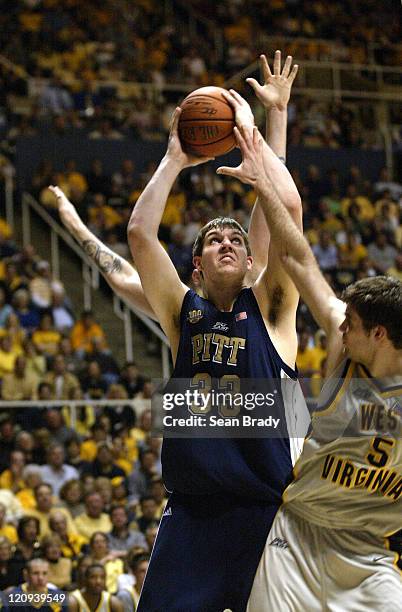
x=306, y=568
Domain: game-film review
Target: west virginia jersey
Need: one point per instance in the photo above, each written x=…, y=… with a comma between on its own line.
x=328, y=547
x=349, y=475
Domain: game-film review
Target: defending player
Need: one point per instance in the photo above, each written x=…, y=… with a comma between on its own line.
x=225, y=491
x=328, y=547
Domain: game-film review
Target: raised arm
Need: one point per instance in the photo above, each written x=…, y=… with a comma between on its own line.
x=162, y=285
x=275, y=292
x=274, y=95
x=293, y=249
x=119, y=274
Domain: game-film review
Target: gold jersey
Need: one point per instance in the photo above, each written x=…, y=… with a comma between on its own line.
x=349, y=475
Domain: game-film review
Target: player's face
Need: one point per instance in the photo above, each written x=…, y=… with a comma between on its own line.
x=355, y=338
x=38, y=576
x=96, y=580
x=224, y=253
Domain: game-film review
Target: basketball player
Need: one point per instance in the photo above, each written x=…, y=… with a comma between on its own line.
x=93, y=596
x=225, y=491
x=328, y=547
x=34, y=594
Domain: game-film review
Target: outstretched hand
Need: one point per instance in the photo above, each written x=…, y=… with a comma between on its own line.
x=275, y=92
x=175, y=150
x=251, y=170
x=243, y=114
x=63, y=203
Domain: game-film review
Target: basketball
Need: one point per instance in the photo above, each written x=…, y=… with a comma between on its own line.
x=206, y=123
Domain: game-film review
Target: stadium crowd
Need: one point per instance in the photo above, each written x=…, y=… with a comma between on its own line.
x=77, y=78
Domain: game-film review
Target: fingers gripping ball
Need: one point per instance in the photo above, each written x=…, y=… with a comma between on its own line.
x=206, y=123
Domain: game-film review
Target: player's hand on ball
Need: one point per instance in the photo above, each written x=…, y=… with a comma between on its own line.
x=275, y=92
x=243, y=114
x=175, y=150
x=251, y=169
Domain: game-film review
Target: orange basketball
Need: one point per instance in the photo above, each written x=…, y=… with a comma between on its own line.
x=206, y=123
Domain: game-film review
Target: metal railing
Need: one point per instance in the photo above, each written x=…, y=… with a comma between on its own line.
x=90, y=278
x=72, y=405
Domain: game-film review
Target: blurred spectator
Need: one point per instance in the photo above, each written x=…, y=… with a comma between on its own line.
x=46, y=338
x=94, y=384
x=352, y=252
x=8, y=576
x=141, y=477
x=121, y=537
x=45, y=503
x=143, y=399
x=19, y=384
x=5, y=308
x=32, y=477
x=57, y=429
x=396, y=270
x=325, y=252
x=131, y=379
x=7, y=530
x=104, y=465
x=150, y=534
x=84, y=331
x=12, y=478
x=381, y=253
x=55, y=472
x=100, y=553
x=158, y=492
x=62, y=316
x=41, y=285
x=60, y=567
x=71, y=497
x=28, y=546
x=61, y=381
x=93, y=519
x=35, y=363
x=71, y=543
x=27, y=313
x=123, y=413
x=148, y=514
x=55, y=98
x=130, y=594
x=8, y=355
x=385, y=183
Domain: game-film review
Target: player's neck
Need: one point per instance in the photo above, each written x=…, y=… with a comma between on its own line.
x=386, y=363
x=223, y=298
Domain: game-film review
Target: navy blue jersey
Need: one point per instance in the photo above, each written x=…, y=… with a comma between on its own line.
x=227, y=343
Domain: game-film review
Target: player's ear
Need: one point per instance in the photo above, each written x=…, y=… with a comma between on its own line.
x=249, y=262
x=196, y=278
x=380, y=333
x=197, y=263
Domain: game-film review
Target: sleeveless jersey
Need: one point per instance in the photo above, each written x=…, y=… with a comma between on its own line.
x=349, y=475
x=103, y=605
x=217, y=344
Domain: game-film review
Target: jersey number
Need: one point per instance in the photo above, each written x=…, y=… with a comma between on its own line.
x=381, y=447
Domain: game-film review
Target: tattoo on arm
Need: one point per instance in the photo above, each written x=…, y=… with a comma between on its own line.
x=106, y=261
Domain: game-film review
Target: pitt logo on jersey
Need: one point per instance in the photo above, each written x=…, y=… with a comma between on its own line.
x=216, y=347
